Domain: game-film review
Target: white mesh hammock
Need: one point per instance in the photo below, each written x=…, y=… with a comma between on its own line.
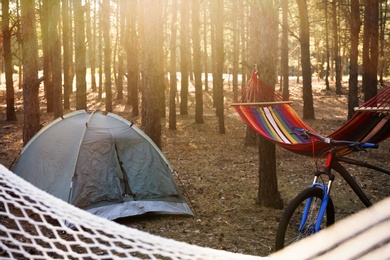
x=33, y=226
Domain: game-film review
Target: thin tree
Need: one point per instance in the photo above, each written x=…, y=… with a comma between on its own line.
x=107, y=53
x=336, y=51
x=153, y=73
x=55, y=56
x=253, y=59
x=80, y=55
x=132, y=58
x=67, y=50
x=172, y=69
x=121, y=55
x=30, y=65
x=9, y=85
x=353, y=100
x=304, y=38
x=100, y=46
x=284, y=50
x=384, y=6
x=20, y=46
x=243, y=40
x=197, y=62
x=205, y=46
x=370, y=49
x=47, y=68
x=219, y=59
x=184, y=57
x=236, y=52
x=327, y=70
x=90, y=29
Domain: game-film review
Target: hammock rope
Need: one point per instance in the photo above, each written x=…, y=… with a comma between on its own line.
x=271, y=115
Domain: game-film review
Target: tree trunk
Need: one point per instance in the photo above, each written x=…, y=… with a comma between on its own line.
x=107, y=53
x=154, y=73
x=243, y=37
x=284, y=50
x=382, y=31
x=100, y=46
x=90, y=33
x=197, y=63
x=80, y=53
x=327, y=70
x=184, y=58
x=172, y=69
x=236, y=33
x=370, y=49
x=268, y=193
x=254, y=48
x=10, y=93
x=304, y=37
x=47, y=67
x=205, y=55
x=353, y=100
x=66, y=53
x=336, y=51
x=30, y=76
x=121, y=55
x=132, y=59
x=55, y=56
x=219, y=46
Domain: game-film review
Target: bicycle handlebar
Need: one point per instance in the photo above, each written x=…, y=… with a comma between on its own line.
x=350, y=144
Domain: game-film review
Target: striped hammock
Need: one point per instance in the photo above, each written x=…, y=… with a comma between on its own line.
x=270, y=115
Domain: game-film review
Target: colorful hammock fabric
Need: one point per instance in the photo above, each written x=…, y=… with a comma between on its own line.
x=270, y=115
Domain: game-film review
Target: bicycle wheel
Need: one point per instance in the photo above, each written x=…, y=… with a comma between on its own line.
x=288, y=232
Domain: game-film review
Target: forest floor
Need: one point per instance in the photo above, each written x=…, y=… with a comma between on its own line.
x=218, y=174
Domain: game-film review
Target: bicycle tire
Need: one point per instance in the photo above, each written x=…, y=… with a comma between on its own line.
x=287, y=232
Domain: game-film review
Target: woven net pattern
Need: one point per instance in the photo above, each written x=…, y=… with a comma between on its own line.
x=33, y=226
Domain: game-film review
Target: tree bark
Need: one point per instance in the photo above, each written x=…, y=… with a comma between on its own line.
x=107, y=53
x=243, y=37
x=132, y=59
x=30, y=76
x=154, y=73
x=80, y=54
x=172, y=69
x=55, y=56
x=47, y=66
x=9, y=85
x=336, y=51
x=219, y=46
x=197, y=62
x=254, y=48
x=327, y=70
x=90, y=33
x=304, y=37
x=383, y=12
x=67, y=60
x=205, y=42
x=370, y=49
x=235, y=62
x=120, y=45
x=353, y=100
x=184, y=58
x=284, y=50
x=268, y=193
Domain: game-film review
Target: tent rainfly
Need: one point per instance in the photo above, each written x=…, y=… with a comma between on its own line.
x=102, y=163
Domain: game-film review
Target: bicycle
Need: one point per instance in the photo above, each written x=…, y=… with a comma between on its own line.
x=313, y=209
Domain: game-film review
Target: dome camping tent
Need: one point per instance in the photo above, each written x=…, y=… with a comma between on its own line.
x=102, y=163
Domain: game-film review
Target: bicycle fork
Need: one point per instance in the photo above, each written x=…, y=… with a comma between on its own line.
x=325, y=199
